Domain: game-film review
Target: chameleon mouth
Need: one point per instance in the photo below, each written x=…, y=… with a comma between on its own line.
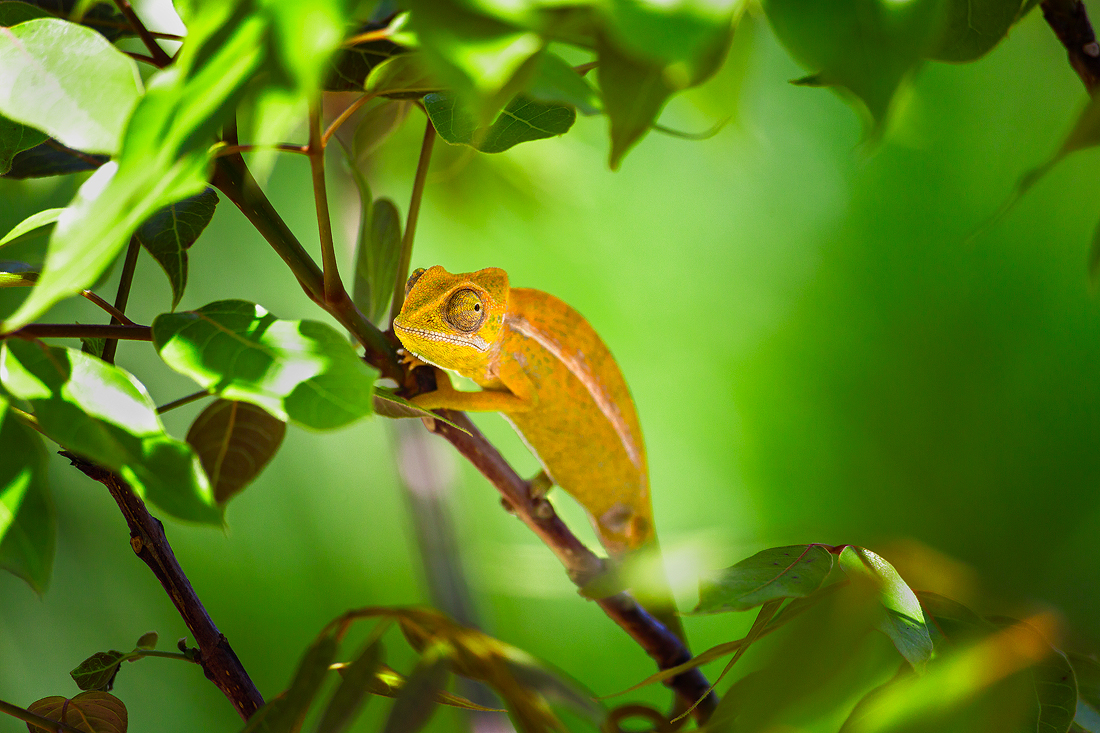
x=475, y=341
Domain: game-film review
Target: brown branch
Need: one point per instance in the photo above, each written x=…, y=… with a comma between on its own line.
x=122, y=296
x=283, y=147
x=149, y=542
x=1070, y=22
x=82, y=330
x=580, y=563
x=333, y=286
x=414, y=214
x=160, y=56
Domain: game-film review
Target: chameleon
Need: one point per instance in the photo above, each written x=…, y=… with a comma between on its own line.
x=545, y=369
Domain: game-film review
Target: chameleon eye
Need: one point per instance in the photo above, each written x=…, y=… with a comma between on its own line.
x=465, y=310
x=412, y=280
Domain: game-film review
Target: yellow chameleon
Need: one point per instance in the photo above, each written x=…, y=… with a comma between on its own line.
x=542, y=366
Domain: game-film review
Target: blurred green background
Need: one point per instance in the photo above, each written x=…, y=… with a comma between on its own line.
x=817, y=351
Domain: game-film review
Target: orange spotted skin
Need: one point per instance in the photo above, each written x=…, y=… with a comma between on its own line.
x=542, y=366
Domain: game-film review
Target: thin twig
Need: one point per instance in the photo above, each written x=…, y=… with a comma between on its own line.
x=116, y=314
x=334, y=288
x=352, y=109
x=37, y=720
x=143, y=59
x=125, y=281
x=97, y=23
x=283, y=147
x=183, y=401
x=160, y=57
x=410, y=222
x=75, y=153
x=1070, y=22
x=377, y=35
x=149, y=542
x=82, y=330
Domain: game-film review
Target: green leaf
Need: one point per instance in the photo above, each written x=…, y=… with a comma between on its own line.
x=388, y=403
x=51, y=158
x=28, y=523
x=98, y=671
x=102, y=413
x=534, y=675
x=96, y=712
x=865, y=46
x=795, y=571
x=376, y=259
x=971, y=28
x=17, y=275
x=417, y=700
x=15, y=138
x=169, y=233
x=351, y=695
x=13, y=12
x=633, y=94
x=38, y=87
x=234, y=441
x=303, y=371
x=304, y=687
x=557, y=81
x=1056, y=691
x=31, y=226
x=349, y=69
x=904, y=622
x=1087, y=672
x=376, y=124
x=522, y=120
x=956, y=623
x=147, y=641
x=401, y=77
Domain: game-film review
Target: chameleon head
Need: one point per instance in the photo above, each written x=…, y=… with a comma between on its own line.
x=453, y=321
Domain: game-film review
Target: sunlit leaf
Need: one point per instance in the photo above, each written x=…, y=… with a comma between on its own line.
x=303, y=371
x=234, y=441
x=98, y=671
x=351, y=695
x=377, y=257
x=28, y=523
x=304, y=687
x=522, y=120
x=38, y=87
x=781, y=572
x=557, y=81
x=904, y=622
x=93, y=712
x=971, y=28
x=104, y=414
x=416, y=702
x=35, y=225
x=169, y=233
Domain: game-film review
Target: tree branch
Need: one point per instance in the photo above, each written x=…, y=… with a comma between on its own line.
x=580, y=563
x=122, y=297
x=160, y=56
x=333, y=286
x=148, y=540
x=1070, y=22
x=414, y=214
x=82, y=330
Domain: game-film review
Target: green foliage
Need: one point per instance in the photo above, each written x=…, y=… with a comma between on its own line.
x=94, y=712
x=169, y=233
x=522, y=120
x=781, y=572
x=234, y=441
x=28, y=526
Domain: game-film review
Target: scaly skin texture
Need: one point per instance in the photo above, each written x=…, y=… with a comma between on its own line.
x=542, y=366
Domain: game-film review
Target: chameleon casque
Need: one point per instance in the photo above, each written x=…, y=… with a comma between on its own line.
x=542, y=366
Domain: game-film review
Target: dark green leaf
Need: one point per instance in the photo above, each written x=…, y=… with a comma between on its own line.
x=13, y=12
x=15, y=138
x=781, y=572
x=401, y=77
x=98, y=671
x=100, y=16
x=904, y=622
x=288, y=715
x=169, y=233
x=865, y=46
x=1056, y=691
x=38, y=87
x=376, y=260
x=417, y=700
x=234, y=441
x=35, y=225
x=147, y=641
x=388, y=403
x=351, y=695
x=51, y=158
x=971, y=28
x=102, y=413
x=28, y=524
x=95, y=712
x=299, y=370
x=93, y=346
x=350, y=68
x=633, y=94
x=954, y=621
x=1087, y=672
x=557, y=81
x=522, y=120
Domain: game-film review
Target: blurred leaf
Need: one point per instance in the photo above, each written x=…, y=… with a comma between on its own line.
x=349, y=69
x=781, y=572
x=904, y=622
x=51, y=158
x=376, y=124
x=1056, y=691
x=15, y=138
x=971, y=28
x=416, y=702
x=38, y=87
x=147, y=641
x=93, y=712
x=261, y=721
x=234, y=441
x=30, y=226
x=555, y=686
x=1087, y=672
x=28, y=522
x=98, y=671
x=377, y=255
x=522, y=120
x=13, y=12
x=557, y=81
x=633, y=94
x=954, y=621
x=104, y=414
x=401, y=77
x=389, y=683
x=169, y=233
x=351, y=695
x=288, y=715
x=19, y=279
x=93, y=346
x=865, y=46
x=1094, y=257
x=303, y=371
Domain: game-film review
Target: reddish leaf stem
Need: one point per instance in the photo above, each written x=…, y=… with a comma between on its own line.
x=414, y=214
x=160, y=57
x=1070, y=22
x=333, y=286
x=122, y=297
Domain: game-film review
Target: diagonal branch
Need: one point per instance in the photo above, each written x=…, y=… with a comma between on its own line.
x=149, y=542
x=1070, y=22
x=159, y=56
